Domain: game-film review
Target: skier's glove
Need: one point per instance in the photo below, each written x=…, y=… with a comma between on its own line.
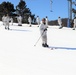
x=45, y=29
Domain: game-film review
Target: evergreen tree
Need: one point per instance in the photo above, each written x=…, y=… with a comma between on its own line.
x=6, y=8
x=21, y=9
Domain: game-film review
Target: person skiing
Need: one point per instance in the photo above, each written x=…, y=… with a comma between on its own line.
x=3, y=19
x=74, y=23
x=29, y=20
x=11, y=19
x=19, y=19
x=6, y=21
x=38, y=20
x=43, y=30
x=60, y=22
x=46, y=20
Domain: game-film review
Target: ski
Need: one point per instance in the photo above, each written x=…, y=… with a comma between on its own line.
x=52, y=48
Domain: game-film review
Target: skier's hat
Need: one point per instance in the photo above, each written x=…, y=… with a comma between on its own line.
x=43, y=19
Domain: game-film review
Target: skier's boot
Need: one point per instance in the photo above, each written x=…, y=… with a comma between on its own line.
x=30, y=26
x=5, y=28
x=61, y=27
x=43, y=45
x=8, y=28
x=46, y=45
x=74, y=29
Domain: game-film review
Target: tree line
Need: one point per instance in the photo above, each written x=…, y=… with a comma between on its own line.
x=20, y=9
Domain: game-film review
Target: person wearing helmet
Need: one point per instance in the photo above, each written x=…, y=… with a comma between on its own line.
x=43, y=30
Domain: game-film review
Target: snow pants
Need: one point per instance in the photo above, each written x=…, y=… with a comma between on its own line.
x=44, y=37
x=6, y=25
x=74, y=26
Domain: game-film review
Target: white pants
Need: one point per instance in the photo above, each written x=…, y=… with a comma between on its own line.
x=6, y=25
x=12, y=22
x=74, y=26
x=38, y=23
x=29, y=23
x=44, y=37
x=60, y=25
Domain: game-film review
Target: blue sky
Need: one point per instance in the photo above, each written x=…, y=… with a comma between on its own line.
x=42, y=8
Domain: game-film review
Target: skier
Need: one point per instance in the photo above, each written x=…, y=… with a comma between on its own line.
x=46, y=20
x=19, y=19
x=43, y=31
x=29, y=20
x=3, y=19
x=74, y=23
x=11, y=19
x=60, y=22
x=6, y=21
x=38, y=20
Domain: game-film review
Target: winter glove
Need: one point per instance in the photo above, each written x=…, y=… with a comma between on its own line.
x=45, y=29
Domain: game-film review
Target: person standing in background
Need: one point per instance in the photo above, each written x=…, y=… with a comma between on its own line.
x=46, y=20
x=60, y=22
x=74, y=23
x=7, y=19
x=11, y=19
x=29, y=20
x=19, y=19
x=38, y=20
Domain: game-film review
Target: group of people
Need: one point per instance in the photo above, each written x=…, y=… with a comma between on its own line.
x=38, y=22
x=43, y=25
x=43, y=29
x=6, y=19
x=61, y=25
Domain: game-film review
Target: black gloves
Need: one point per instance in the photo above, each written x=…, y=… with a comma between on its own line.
x=45, y=29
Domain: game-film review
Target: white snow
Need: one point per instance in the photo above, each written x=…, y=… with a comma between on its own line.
x=19, y=56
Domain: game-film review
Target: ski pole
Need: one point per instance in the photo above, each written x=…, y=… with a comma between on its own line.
x=38, y=39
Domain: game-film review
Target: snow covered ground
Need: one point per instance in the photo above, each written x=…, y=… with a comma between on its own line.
x=19, y=56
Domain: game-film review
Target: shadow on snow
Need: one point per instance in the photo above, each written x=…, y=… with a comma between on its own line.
x=20, y=30
x=67, y=48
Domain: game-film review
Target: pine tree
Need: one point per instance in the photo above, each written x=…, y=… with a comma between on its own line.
x=6, y=8
x=21, y=9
